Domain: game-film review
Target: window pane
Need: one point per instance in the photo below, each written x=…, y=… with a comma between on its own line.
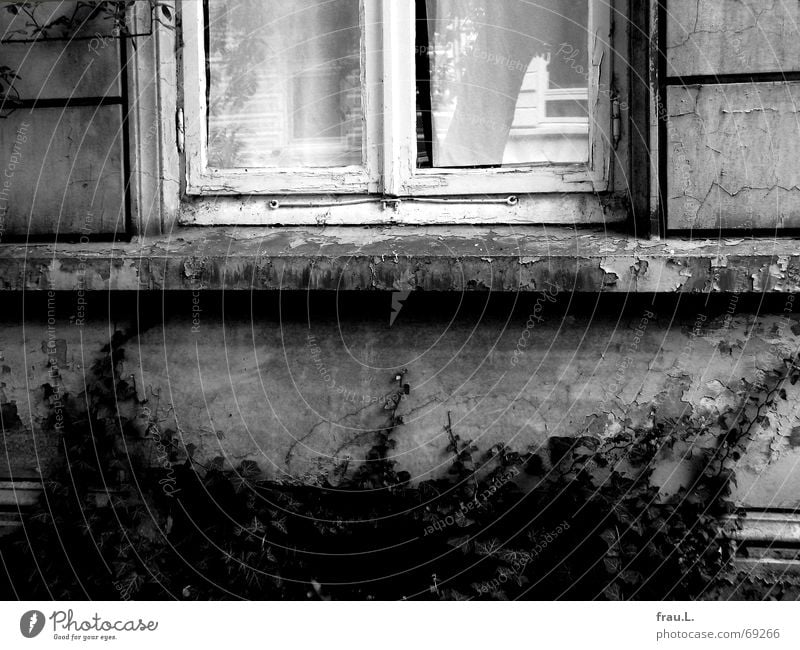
x=507, y=80
x=284, y=84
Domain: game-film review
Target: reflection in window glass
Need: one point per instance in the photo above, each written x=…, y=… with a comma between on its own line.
x=507, y=80
x=284, y=84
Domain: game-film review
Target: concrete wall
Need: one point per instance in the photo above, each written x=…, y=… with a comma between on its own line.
x=254, y=385
x=298, y=391
x=730, y=138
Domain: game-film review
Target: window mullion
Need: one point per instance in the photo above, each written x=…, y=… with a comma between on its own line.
x=194, y=87
x=372, y=90
x=399, y=106
x=600, y=89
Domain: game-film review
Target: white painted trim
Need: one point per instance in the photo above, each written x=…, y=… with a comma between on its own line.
x=591, y=177
x=373, y=87
x=391, y=159
x=399, y=98
x=769, y=526
x=154, y=159
x=166, y=69
x=143, y=120
x=569, y=209
x=204, y=180
x=20, y=493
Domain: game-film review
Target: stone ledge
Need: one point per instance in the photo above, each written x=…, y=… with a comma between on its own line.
x=401, y=259
x=766, y=544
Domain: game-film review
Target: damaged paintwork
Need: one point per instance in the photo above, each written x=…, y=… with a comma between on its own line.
x=503, y=258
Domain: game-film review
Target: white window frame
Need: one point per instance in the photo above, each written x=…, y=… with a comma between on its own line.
x=390, y=145
x=202, y=179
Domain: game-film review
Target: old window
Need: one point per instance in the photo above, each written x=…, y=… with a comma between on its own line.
x=264, y=112
x=284, y=85
x=398, y=98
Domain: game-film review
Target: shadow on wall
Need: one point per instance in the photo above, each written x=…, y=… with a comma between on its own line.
x=584, y=509
x=297, y=382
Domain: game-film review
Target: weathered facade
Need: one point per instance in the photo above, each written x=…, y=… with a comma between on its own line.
x=277, y=345
x=300, y=399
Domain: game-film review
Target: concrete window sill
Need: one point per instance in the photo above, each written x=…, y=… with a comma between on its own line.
x=402, y=259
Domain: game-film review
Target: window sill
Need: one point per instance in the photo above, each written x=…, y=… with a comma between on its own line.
x=401, y=259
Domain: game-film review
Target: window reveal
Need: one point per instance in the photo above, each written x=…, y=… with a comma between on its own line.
x=398, y=97
x=503, y=92
x=284, y=85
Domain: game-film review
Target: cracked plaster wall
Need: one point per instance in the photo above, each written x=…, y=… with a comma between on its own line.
x=733, y=152
x=266, y=391
x=729, y=36
x=732, y=142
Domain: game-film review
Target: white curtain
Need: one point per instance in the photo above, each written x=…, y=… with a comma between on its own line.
x=284, y=83
x=480, y=53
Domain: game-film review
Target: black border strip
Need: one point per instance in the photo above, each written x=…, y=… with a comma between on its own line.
x=711, y=80
x=663, y=119
x=73, y=102
x=638, y=72
x=127, y=177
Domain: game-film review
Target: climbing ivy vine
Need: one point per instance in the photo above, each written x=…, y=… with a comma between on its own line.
x=132, y=513
x=39, y=22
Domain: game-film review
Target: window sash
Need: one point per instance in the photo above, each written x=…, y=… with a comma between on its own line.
x=202, y=179
x=590, y=177
x=390, y=141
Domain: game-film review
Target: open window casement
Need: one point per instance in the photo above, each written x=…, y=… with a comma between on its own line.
x=515, y=97
x=396, y=98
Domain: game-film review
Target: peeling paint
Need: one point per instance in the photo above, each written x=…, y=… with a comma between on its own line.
x=503, y=259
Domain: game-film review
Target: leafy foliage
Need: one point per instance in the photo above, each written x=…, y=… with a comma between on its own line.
x=41, y=23
x=47, y=24
x=9, y=95
x=580, y=519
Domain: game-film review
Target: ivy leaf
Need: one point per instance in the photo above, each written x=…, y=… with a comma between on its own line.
x=612, y=592
x=636, y=527
x=609, y=537
x=631, y=577
x=248, y=469
x=452, y=594
x=255, y=527
x=280, y=524
x=612, y=564
x=487, y=548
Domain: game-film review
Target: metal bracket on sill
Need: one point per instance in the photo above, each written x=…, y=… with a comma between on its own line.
x=394, y=202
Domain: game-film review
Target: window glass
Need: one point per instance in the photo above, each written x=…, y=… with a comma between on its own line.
x=284, y=84
x=506, y=82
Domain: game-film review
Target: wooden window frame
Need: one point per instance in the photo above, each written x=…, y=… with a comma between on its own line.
x=166, y=193
x=593, y=176
x=202, y=180
x=388, y=90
